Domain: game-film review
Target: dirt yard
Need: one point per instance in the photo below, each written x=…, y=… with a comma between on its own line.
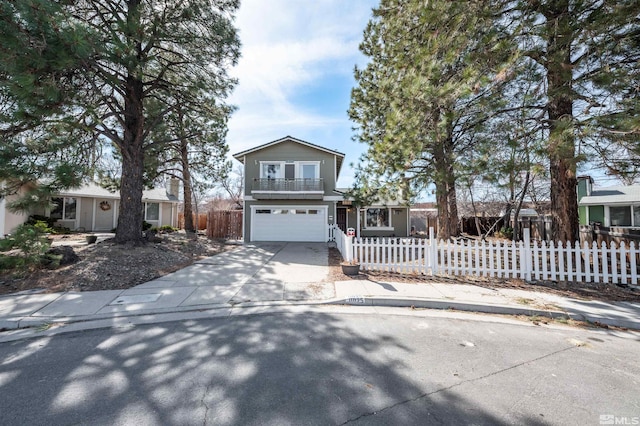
x=585, y=291
x=108, y=266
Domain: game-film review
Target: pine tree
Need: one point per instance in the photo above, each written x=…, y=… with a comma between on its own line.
x=432, y=80
x=587, y=52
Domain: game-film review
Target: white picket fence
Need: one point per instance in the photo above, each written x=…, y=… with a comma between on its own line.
x=526, y=260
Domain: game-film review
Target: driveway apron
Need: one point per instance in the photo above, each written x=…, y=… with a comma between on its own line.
x=289, y=274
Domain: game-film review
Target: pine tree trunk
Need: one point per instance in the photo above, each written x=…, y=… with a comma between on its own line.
x=562, y=164
x=130, y=215
x=188, y=196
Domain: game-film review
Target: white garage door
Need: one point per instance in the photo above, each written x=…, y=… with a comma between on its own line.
x=295, y=223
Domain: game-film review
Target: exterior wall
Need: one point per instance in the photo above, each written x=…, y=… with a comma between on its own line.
x=86, y=213
x=284, y=203
x=11, y=220
x=166, y=217
x=596, y=214
x=290, y=151
x=582, y=215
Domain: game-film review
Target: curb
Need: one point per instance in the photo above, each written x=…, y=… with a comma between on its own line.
x=446, y=305
x=106, y=320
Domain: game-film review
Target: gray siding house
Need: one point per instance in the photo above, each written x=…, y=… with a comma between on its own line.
x=93, y=208
x=290, y=195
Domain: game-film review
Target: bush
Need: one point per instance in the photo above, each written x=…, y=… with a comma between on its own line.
x=33, y=219
x=165, y=228
x=146, y=225
x=31, y=242
x=10, y=262
x=505, y=232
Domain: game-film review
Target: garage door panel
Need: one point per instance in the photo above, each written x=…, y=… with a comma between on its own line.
x=270, y=224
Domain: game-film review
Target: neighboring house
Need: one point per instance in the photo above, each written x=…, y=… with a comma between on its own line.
x=93, y=208
x=290, y=195
x=617, y=206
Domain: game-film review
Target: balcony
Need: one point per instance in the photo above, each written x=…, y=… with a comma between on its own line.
x=287, y=189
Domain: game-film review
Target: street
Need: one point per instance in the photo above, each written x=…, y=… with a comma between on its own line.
x=325, y=368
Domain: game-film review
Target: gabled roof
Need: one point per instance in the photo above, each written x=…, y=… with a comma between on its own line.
x=95, y=191
x=339, y=155
x=613, y=195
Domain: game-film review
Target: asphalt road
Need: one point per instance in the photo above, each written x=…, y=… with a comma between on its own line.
x=321, y=368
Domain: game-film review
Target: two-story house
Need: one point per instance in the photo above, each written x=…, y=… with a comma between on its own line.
x=290, y=195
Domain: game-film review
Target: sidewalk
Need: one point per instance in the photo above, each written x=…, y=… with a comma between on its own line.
x=277, y=274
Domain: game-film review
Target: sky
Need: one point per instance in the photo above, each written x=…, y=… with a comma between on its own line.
x=296, y=74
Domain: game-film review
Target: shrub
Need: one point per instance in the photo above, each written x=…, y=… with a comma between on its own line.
x=31, y=242
x=33, y=219
x=505, y=232
x=146, y=225
x=165, y=228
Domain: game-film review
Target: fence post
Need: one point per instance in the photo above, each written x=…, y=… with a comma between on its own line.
x=348, y=248
x=527, y=254
x=433, y=252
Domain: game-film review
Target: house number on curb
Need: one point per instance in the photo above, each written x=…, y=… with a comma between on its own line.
x=356, y=300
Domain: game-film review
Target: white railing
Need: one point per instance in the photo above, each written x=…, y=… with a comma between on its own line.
x=539, y=261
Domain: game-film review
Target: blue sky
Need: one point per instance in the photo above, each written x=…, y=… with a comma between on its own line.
x=296, y=73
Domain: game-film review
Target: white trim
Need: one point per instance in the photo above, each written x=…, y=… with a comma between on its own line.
x=298, y=168
x=379, y=228
x=279, y=175
x=607, y=216
x=332, y=198
x=286, y=138
x=93, y=214
x=116, y=212
x=288, y=192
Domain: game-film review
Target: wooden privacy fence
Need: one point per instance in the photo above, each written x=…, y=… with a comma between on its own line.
x=541, y=261
x=225, y=224
x=201, y=223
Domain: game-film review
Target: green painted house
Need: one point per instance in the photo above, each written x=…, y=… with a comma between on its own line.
x=617, y=206
x=290, y=194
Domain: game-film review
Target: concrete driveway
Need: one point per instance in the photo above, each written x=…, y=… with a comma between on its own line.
x=251, y=273
x=294, y=271
x=263, y=272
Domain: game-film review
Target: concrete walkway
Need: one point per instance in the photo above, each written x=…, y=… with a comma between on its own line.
x=274, y=274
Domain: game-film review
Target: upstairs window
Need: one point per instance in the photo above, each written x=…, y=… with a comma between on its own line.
x=309, y=171
x=271, y=171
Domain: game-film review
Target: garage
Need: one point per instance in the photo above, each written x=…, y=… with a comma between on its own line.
x=289, y=223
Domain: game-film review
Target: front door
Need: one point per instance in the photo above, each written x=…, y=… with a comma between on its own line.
x=341, y=219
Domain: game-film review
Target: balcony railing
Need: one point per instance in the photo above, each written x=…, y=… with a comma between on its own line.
x=287, y=188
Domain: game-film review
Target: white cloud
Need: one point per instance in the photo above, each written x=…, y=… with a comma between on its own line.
x=288, y=45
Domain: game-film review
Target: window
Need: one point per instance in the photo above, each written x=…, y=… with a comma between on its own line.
x=636, y=216
x=290, y=170
x=271, y=170
x=263, y=211
x=377, y=218
x=152, y=211
x=65, y=208
x=309, y=171
x=620, y=216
